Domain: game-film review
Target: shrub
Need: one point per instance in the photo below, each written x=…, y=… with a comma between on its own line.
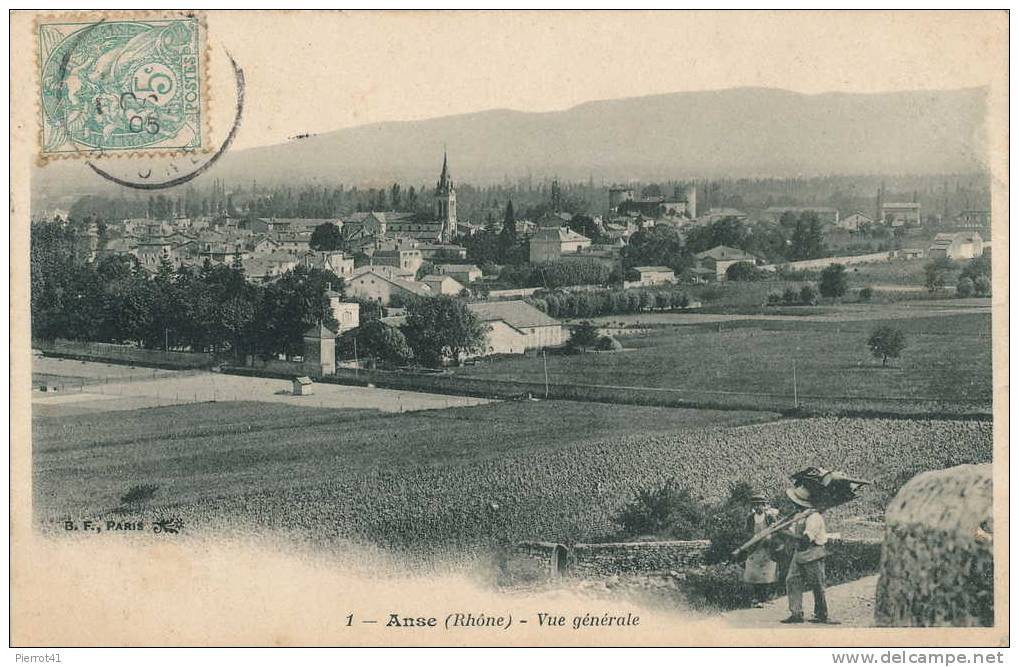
x=866, y=294
x=726, y=525
x=608, y=344
x=808, y=295
x=964, y=287
x=774, y=298
x=139, y=493
x=583, y=336
x=790, y=296
x=833, y=283
x=982, y=286
x=667, y=510
x=742, y=272
x=717, y=586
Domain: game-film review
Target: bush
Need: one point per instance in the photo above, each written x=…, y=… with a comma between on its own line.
x=726, y=525
x=982, y=286
x=774, y=298
x=808, y=295
x=833, y=283
x=583, y=336
x=964, y=288
x=608, y=344
x=742, y=272
x=139, y=493
x=866, y=294
x=718, y=586
x=790, y=297
x=666, y=511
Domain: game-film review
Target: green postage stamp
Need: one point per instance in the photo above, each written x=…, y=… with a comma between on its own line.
x=116, y=85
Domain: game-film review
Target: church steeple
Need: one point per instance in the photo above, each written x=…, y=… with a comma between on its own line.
x=445, y=183
x=445, y=202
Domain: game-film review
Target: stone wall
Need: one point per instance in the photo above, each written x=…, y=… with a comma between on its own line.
x=824, y=262
x=937, y=566
x=593, y=560
x=550, y=560
x=110, y=352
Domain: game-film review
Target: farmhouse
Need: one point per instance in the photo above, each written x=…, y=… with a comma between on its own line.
x=378, y=283
x=549, y=243
x=462, y=273
x=443, y=284
x=721, y=258
x=899, y=214
x=517, y=326
x=655, y=275
x=962, y=245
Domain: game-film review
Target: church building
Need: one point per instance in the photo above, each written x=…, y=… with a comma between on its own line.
x=440, y=229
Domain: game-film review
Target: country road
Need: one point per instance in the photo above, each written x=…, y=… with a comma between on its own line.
x=851, y=604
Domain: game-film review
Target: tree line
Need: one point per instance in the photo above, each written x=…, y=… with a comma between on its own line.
x=209, y=308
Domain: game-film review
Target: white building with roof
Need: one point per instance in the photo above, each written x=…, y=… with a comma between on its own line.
x=958, y=246
x=655, y=275
x=516, y=326
x=382, y=284
x=548, y=244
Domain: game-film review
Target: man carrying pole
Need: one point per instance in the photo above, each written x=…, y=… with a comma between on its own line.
x=814, y=490
x=806, y=568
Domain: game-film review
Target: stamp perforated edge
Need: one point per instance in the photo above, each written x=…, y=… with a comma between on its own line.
x=43, y=158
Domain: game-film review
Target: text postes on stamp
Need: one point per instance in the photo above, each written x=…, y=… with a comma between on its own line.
x=114, y=86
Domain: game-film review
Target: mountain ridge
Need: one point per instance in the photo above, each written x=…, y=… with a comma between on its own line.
x=732, y=132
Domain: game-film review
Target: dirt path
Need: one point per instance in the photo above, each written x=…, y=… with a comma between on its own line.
x=179, y=388
x=851, y=604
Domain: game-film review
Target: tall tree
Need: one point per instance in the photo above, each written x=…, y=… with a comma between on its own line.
x=443, y=328
x=326, y=236
x=833, y=283
x=508, y=234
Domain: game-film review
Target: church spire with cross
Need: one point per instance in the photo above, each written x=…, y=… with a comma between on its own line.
x=445, y=202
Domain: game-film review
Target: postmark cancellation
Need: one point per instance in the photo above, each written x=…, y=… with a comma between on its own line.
x=115, y=85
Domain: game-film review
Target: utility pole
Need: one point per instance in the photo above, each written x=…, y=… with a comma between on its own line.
x=544, y=361
x=796, y=402
x=355, y=355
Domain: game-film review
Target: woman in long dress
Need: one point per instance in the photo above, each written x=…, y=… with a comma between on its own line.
x=760, y=570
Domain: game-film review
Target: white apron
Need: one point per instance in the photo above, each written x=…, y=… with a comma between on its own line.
x=760, y=568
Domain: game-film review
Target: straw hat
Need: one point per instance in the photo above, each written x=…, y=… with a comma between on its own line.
x=800, y=495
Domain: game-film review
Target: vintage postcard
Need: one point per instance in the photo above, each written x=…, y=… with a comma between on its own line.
x=509, y=328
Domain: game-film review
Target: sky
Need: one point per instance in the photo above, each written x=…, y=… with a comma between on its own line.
x=311, y=72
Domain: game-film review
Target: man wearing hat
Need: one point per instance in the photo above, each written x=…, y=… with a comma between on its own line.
x=760, y=571
x=806, y=569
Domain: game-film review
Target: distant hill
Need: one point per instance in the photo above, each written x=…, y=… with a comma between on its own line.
x=735, y=132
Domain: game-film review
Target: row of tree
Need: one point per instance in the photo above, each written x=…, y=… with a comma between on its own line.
x=211, y=308
x=594, y=303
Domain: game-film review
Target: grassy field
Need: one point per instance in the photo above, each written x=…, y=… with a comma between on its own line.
x=459, y=478
x=947, y=361
x=211, y=449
